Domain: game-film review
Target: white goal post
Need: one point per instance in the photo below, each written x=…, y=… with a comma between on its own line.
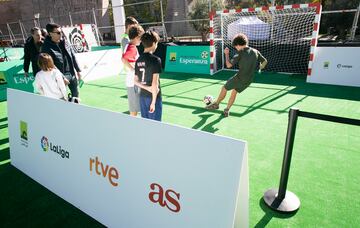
x=285, y=35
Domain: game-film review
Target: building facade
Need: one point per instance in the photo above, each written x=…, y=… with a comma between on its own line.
x=40, y=12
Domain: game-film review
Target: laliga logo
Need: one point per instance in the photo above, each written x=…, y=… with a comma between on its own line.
x=45, y=145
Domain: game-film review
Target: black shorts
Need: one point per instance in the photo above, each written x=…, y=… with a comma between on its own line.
x=235, y=83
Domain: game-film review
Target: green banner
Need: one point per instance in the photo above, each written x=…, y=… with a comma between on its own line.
x=12, y=76
x=188, y=59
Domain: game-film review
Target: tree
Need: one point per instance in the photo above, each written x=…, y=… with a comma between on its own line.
x=236, y=4
x=145, y=13
x=199, y=13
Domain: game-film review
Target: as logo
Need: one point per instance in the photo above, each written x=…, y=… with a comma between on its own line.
x=172, y=56
x=165, y=197
x=44, y=144
x=204, y=54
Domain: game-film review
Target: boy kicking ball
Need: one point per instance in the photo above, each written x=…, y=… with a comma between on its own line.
x=247, y=59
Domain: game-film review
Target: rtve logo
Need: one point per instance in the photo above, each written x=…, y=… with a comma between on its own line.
x=46, y=145
x=105, y=170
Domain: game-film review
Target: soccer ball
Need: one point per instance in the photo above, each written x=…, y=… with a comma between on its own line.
x=208, y=99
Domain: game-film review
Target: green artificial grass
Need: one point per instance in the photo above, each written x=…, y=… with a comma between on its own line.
x=324, y=169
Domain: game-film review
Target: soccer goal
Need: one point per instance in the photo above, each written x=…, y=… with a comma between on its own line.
x=285, y=35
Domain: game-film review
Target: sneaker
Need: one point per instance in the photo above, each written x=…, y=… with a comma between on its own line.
x=226, y=112
x=212, y=106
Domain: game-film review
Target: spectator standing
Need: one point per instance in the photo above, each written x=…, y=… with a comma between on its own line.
x=129, y=22
x=32, y=50
x=129, y=58
x=147, y=71
x=63, y=56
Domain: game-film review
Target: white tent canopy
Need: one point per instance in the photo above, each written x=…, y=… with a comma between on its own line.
x=251, y=26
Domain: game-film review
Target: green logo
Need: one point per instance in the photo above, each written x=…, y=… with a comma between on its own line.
x=173, y=56
x=326, y=65
x=23, y=130
x=204, y=54
x=2, y=78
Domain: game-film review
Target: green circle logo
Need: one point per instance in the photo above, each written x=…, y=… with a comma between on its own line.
x=204, y=54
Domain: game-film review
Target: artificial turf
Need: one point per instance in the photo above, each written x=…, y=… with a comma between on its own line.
x=325, y=164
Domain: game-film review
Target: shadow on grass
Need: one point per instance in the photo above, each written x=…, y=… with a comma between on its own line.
x=4, y=141
x=3, y=119
x=210, y=126
x=269, y=214
x=297, y=81
x=28, y=204
x=202, y=121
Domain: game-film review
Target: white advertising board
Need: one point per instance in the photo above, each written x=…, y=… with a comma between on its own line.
x=336, y=66
x=119, y=19
x=126, y=171
x=100, y=64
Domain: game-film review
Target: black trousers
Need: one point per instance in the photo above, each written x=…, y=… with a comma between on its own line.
x=73, y=86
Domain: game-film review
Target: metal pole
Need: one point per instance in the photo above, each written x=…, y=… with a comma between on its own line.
x=355, y=22
x=96, y=28
x=22, y=31
x=290, y=136
x=71, y=22
x=282, y=200
x=162, y=20
x=222, y=42
x=10, y=32
x=209, y=6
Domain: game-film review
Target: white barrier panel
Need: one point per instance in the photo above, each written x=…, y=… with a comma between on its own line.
x=336, y=66
x=126, y=171
x=119, y=19
x=100, y=64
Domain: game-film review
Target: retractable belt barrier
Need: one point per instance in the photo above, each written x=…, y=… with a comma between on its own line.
x=280, y=199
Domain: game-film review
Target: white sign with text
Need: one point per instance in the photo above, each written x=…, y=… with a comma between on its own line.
x=126, y=171
x=336, y=66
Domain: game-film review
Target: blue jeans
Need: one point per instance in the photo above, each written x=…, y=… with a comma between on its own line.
x=145, y=102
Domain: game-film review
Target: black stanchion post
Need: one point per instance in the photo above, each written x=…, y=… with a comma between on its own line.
x=282, y=200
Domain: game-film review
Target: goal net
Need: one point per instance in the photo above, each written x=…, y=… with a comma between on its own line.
x=285, y=35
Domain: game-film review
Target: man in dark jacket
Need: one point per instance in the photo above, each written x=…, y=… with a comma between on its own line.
x=31, y=51
x=63, y=55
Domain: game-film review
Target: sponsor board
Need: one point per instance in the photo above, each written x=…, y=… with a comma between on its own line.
x=336, y=66
x=129, y=172
x=188, y=59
